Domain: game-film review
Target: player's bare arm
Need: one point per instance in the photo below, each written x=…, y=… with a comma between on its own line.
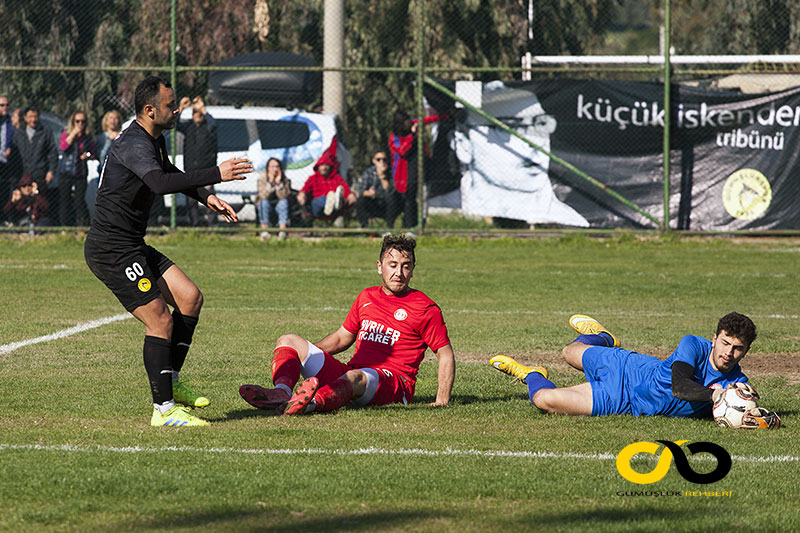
x=235, y=168
x=336, y=342
x=446, y=376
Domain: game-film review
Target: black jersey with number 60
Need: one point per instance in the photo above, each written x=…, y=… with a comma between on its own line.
x=136, y=169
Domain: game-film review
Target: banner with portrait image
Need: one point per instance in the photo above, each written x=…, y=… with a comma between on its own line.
x=732, y=155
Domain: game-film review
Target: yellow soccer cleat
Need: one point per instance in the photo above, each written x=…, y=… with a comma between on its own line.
x=178, y=416
x=586, y=325
x=184, y=395
x=507, y=365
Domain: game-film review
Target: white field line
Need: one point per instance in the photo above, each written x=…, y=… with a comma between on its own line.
x=448, y=452
x=6, y=348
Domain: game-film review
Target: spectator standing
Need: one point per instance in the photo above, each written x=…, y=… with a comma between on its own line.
x=26, y=206
x=76, y=146
x=377, y=196
x=273, y=187
x=37, y=151
x=111, y=126
x=403, y=147
x=6, y=139
x=329, y=193
x=199, y=146
x=18, y=118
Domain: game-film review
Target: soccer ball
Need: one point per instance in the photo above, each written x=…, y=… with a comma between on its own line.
x=730, y=407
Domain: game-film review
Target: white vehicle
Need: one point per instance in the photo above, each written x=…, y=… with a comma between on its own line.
x=297, y=138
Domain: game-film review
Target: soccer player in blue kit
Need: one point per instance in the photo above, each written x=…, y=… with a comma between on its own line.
x=620, y=381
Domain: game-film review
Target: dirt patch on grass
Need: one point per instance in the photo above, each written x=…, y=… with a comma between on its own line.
x=785, y=365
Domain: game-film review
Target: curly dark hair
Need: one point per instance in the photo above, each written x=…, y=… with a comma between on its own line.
x=739, y=326
x=401, y=243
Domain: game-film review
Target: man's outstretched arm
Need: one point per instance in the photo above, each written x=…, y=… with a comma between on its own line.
x=447, y=374
x=685, y=388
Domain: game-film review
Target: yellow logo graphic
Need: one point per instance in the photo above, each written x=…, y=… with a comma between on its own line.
x=662, y=467
x=673, y=450
x=144, y=284
x=746, y=194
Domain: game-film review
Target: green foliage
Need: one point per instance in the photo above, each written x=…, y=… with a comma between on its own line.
x=734, y=27
x=130, y=34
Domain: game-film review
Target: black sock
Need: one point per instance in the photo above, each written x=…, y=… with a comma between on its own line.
x=182, y=331
x=159, y=370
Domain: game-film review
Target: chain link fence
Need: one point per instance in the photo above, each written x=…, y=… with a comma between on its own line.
x=440, y=116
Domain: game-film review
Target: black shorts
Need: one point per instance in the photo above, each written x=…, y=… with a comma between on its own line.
x=131, y=274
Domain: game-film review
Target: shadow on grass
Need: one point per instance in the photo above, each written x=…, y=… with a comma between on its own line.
x=419, y=402
x=466, y=399
x=626, y=519
x=280, y=520
x=242, y=414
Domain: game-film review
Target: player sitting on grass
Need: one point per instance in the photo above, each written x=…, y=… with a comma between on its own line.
x=391, y=326
x=626, y=382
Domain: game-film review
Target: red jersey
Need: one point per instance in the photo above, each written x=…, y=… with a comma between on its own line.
x=392, y=332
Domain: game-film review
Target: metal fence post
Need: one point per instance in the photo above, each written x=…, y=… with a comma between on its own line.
x=420, y=115
x=667, y=114
x=173, y=78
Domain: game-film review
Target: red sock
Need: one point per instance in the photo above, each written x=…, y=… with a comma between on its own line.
x=285, y=366
x=333, y=396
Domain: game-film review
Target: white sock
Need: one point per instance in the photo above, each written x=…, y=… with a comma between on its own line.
x=164, y=407
x=284, y=388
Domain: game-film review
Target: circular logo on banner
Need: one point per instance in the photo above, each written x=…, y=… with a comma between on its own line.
x=400, y=314
x=746, y=194
x=144, y=284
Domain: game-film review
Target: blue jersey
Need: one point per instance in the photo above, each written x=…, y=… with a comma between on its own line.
x=628, y=382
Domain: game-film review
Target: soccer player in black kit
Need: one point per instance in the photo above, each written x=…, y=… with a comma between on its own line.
x=143, y=279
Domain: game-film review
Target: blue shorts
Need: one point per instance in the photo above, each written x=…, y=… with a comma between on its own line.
x=613, y=373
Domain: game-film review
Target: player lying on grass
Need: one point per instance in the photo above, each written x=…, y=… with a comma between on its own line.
x=621, y=381
x=391, y=325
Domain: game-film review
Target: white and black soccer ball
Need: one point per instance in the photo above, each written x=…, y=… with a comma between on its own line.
x=731, y=406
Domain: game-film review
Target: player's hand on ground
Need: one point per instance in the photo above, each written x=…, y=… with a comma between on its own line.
x=439, y=403
x=222, y=207
x=235, y=168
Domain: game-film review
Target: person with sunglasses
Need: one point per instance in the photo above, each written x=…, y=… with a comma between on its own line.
x=377, y=196
x=76, y=145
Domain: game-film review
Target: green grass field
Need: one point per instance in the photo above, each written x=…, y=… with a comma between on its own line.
x=77, y=452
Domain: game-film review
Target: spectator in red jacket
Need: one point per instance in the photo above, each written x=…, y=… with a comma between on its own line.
x=328, y=191
x=403, y=147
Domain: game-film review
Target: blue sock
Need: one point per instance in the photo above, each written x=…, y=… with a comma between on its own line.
x=601, y=339
x=537, y=382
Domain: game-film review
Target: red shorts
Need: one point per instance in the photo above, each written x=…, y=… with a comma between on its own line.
x=383, y=386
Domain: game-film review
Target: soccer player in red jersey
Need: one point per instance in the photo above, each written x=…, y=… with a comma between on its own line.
x=392, y=325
